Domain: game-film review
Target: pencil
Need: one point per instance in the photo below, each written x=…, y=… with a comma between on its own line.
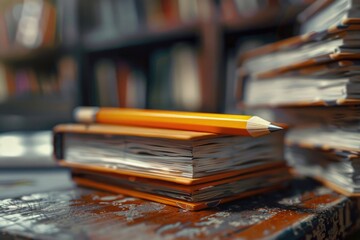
x=193, y=121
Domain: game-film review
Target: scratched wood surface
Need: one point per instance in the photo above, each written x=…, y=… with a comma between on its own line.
x=305, y=210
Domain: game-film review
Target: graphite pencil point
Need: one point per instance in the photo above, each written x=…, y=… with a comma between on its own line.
x=274, y=128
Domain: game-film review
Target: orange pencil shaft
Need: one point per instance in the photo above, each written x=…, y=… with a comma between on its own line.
x=205, y=122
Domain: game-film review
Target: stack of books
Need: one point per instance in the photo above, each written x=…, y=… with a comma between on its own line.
x=154, y=155
x=312, y=83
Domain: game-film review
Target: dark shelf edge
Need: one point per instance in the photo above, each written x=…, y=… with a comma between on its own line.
x=20, y=55
x=145, y=37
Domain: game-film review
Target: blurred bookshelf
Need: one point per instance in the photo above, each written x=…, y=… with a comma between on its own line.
x=38, y=82
x=164, y=54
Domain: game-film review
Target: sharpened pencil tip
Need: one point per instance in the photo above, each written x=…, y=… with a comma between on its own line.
x=274, y=128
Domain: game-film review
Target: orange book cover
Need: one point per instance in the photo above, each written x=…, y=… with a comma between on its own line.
x=48, y=25
x=281, y=169
x=123, y=74
x=328, y=67
x=228, y=10
x=310, y=63
x=10, y=77
x=34, y=85
x=170, y=10
x=176, y=203
x=101, y=181
x=185, y=137
x=178, y=180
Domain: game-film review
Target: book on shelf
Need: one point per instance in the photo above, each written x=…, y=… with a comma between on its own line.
x=68, y=27
x=193, y=10
x=175, y=79
x=160, y=93
x=6, y=82
x=106, y=83
x=236, y=9
x=186, y=83
x=120, y=84
x=67, y=69
x=131, y=86
x=155, y=15
x=29, y=24
x=311, y=82
x=109, y=19
x=166, y=13
x=4, y=39
x=191, y=170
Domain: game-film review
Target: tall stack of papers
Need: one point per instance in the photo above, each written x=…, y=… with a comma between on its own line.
x=312, y=81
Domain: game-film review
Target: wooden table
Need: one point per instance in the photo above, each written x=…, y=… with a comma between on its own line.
x=306, y=210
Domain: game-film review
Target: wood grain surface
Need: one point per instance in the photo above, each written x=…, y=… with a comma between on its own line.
x=306, y=210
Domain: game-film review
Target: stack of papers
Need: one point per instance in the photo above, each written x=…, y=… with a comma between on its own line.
x=312, y=82
x=188, y=169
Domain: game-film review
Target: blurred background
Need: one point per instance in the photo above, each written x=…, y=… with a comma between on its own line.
x=159, y=54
